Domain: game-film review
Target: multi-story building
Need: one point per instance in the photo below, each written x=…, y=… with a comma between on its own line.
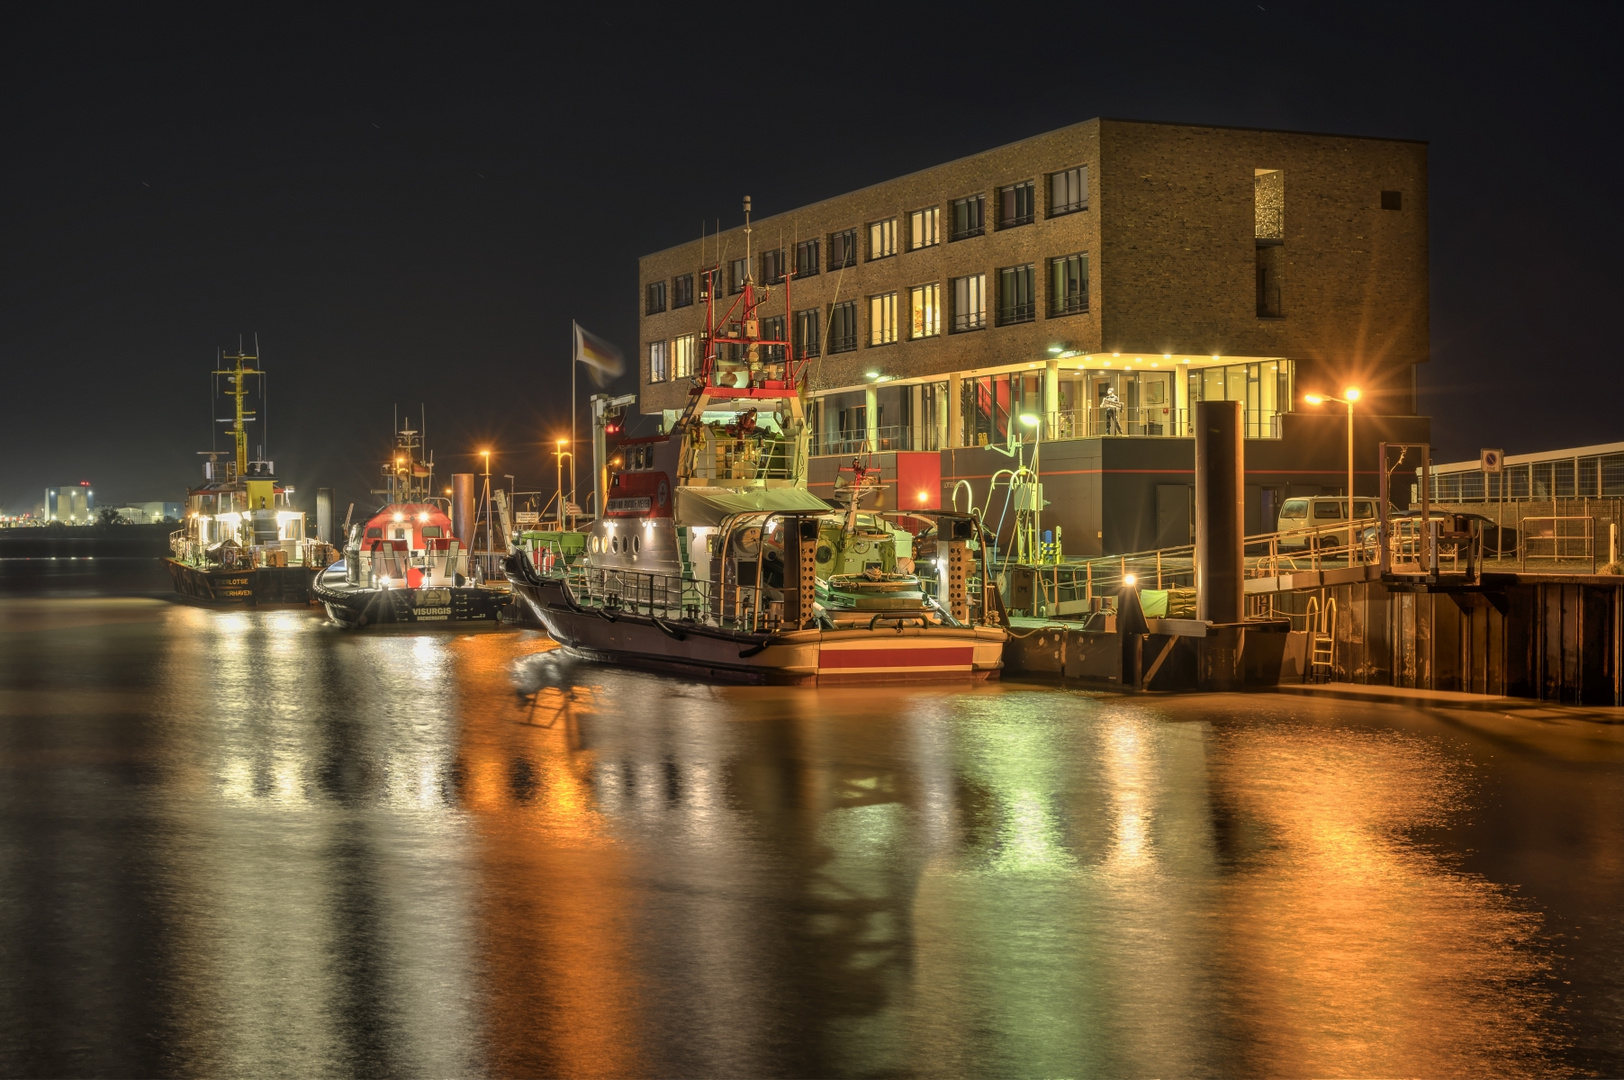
x=1088, y=287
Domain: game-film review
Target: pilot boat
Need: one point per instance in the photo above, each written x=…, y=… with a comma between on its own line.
x=241, y=541
x=405, y=564
x=711, y=557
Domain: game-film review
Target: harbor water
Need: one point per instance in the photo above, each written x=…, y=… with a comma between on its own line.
x=247, y=843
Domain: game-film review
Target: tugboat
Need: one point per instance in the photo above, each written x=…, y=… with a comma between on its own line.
x=711, y=557
x=242, y=542
x=405, y=564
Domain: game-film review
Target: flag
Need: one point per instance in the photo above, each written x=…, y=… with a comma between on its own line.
x=602, y=359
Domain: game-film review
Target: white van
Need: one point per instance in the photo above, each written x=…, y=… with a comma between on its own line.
x=1299, y=517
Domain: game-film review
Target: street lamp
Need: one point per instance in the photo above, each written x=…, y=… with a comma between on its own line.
x=559, y=453
x=1349, y=396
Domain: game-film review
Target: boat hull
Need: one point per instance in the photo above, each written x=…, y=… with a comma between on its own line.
x=255, y=587
x=354, y=607
x=803, y=657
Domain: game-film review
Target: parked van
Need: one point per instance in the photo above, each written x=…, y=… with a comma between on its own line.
x=1299, y=517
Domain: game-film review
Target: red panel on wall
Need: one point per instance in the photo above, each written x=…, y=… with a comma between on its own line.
x=919, y=480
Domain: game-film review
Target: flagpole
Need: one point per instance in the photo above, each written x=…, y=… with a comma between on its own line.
x=575, y=340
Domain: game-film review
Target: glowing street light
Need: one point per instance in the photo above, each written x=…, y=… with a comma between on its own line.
x=1349, y=396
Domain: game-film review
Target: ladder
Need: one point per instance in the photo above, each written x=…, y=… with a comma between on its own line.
x=1321, y=621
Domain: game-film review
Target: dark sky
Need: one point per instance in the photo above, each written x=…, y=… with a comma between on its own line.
x=410, y=208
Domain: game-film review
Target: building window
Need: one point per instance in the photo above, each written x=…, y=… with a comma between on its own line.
x=1269, y=193
x=656, y=297
x=657, y=371
x=843, y=327
x=925, y=228
x=969, y=217
x=741, y=271
x=772, y=329
x=882, y=239
x=772, y=266
x=970, y=303
x=685, y=347
x=1017, y=294
x=925, y=303
x=843, y=249
x=882, y=319
x=710, y=283
x=1068, y=191
x=1068, y=284
x=808, y=331
x=806, y=258
x=1392, y=200
x=682, y=291
x=1270, y=262
x=1015, y=204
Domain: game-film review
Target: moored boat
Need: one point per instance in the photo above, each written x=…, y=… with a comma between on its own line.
x=241, y=541
x=712, y=557
x=405, y=563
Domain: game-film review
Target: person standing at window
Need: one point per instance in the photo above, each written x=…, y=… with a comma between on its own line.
x=1111, y=406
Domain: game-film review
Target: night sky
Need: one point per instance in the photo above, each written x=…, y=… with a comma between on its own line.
x=410, y=208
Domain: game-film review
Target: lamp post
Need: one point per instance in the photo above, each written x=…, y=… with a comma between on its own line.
x=1349, y=396
x=559, y=454
x=490, y=541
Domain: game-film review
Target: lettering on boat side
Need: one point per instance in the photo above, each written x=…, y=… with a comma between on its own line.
x=629, y=505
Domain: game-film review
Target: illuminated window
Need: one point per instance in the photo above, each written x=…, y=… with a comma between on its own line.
x=806, y=258
x=882, y=319
x=1068, y=284
x=843, y=249
x=808, y=330
x=1015, y=204
x=685, y=360
x=656, y=297
x=969, y=217
x=657, y=370
x=682, y=291
x=969, y=303
x=1068, y=191
x=741, y=271
x=925, y=304
x=843, y=327
x=1017, y=294
x=882, y=239
x=924, y=228
x=772, y=266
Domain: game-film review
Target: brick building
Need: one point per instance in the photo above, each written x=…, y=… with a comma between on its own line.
x=1138, y=265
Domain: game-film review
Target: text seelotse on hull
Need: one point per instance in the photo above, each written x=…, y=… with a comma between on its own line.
x=711, y=556
x=405, y=564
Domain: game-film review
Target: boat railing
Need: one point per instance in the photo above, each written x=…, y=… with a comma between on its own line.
x=674, y=597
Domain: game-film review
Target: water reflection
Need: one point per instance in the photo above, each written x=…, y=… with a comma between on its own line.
x=454, y=854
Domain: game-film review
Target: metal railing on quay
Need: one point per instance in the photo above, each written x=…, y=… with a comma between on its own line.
x=1557, y=538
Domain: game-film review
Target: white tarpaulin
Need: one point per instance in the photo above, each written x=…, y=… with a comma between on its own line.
x=709, y=506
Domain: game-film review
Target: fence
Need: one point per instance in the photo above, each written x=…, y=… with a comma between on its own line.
x=1570, y=538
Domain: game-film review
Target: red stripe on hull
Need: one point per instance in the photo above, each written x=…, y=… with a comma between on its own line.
x=834, y=659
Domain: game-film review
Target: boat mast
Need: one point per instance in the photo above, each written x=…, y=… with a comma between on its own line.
x=237, y=377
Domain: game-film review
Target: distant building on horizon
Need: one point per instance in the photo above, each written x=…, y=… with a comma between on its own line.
x=72, y=504
x=149, y=512
x=1143, y=266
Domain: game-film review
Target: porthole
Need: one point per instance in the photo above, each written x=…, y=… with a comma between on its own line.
x=637, y=545
x=824, y=553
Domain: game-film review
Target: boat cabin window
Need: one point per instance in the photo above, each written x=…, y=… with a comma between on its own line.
x=375, y=533
x=431, y=532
